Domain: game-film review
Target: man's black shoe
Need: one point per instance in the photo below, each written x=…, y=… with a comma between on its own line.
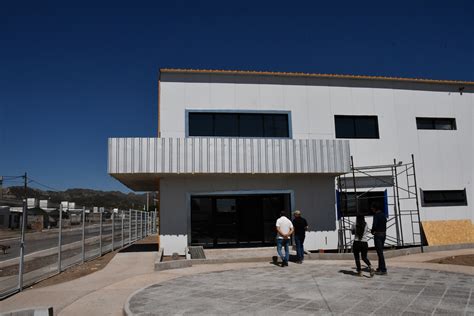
x=381, y=272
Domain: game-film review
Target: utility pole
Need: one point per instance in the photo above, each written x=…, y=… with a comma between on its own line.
x=23, y=231
x=1, y=187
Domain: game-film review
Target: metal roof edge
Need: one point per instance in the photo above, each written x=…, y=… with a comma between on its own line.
x=312, y=75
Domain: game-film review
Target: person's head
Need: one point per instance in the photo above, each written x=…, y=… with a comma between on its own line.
x=282, y=213
x=360, y=220
x=375, y=207
x=360, y=226
x=297, y=213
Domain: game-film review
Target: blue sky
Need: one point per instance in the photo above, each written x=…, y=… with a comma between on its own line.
x=73, y=74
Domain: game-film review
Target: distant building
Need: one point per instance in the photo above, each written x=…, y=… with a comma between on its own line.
x=4, y=216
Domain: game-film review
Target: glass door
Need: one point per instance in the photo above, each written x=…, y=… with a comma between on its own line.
x=236, y=220
x=226, y=221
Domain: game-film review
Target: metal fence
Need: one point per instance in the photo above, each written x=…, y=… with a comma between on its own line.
x=77, y=236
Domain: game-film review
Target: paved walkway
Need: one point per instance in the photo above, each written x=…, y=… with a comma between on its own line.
x=311, y=288
x=325, y=284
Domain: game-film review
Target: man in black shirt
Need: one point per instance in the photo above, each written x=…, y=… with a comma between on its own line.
x=379, y=229
x=300, y=225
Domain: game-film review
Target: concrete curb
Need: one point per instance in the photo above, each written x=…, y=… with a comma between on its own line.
x=158, y=257
x=126, y=306
x=176, y=264
x=36, y=311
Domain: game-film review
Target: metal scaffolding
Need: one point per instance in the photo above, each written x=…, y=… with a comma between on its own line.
x=396, y=184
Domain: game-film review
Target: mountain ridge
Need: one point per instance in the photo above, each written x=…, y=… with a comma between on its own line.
x=82, y=197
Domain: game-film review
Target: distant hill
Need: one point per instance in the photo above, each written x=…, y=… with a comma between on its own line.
x=83, y=197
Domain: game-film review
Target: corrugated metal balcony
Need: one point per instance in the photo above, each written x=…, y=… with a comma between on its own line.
x=158, y=157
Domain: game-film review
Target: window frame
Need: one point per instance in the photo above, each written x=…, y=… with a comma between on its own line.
x=212, y=111
x=354, y=117
x=433, y=123
x=436, y=204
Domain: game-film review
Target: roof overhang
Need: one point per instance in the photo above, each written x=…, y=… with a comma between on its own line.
x=139, y=163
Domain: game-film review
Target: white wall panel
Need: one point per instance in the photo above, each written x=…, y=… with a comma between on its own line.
x=222, y=96
x=443, y=158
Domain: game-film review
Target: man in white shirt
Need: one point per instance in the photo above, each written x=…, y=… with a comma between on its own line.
x=284, y=229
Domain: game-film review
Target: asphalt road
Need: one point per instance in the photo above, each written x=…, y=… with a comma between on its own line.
x=49, y=239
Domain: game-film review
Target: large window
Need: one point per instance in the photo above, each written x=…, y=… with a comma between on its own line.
x=236, y=220
x=238, y=124
x=435, y=123
x=346, y=203
x=443, y=197
x=356, y=126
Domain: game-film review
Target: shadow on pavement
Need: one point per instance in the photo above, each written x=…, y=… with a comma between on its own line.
x=353, y=273
x=141, y=248
x=348, y=272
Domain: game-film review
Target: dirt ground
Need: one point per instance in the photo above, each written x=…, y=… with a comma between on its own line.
x=465, y=260
x=38, y=262
x=88, y=267
x=77, y=271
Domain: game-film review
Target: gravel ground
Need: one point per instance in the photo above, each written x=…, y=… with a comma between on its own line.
x=465, y=260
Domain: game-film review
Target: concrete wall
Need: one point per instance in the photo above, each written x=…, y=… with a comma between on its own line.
x=313, y=195
x=443, y=158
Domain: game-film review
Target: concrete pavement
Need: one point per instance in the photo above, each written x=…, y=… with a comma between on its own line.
x=106, y=291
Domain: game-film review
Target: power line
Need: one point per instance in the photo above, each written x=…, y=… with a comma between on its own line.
x=10, y=178
x=43, y=185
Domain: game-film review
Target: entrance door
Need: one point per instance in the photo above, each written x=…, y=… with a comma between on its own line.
x=236, y=220
x=226, y=222
x=250, y=214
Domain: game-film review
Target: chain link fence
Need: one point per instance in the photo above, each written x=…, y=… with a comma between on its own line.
x=47, y=244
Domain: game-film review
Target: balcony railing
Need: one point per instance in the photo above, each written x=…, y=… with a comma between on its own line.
x=208, y=155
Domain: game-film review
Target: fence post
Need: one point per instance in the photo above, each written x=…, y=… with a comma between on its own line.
x=22, y=245
x=60, y=236
x=123, y=215
x=83, y=234
x=154, y=221
x=100, y=231
x=136, y=224
x=146, y=224
x=129, y=226
x=113, y=228
x=141, y=224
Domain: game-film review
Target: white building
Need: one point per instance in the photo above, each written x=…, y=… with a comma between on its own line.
x=236, y=147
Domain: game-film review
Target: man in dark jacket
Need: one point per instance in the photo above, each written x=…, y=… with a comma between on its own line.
x=300, y=225
x=379, y=230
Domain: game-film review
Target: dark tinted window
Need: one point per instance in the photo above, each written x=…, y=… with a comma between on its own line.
x=275, y=125
x=226, y=124
x=356, y=126
x=201, y=124
x=444, y=197
x=251, y=125
x=436, y=123
x=239, y=124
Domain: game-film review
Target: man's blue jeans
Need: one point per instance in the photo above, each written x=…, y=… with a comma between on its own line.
x=379, y=240
x=299, y=241
x=283, y=242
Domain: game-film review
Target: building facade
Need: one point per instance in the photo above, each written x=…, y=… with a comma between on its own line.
x=235, y=148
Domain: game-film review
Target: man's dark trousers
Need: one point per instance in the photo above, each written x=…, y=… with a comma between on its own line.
x=379, y=241
x=299, y=241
